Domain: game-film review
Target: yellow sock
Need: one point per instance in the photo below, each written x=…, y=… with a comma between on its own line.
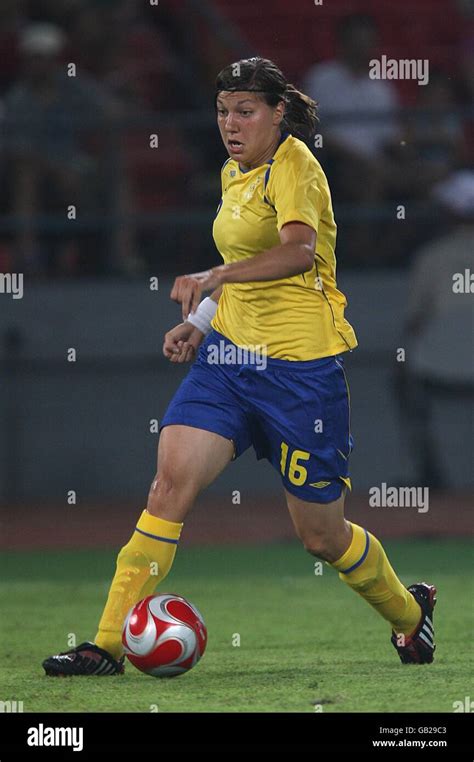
x=365, y=567
x=141, y=565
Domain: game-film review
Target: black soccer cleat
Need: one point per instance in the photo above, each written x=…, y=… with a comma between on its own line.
x=86, y=659
x=419, y=647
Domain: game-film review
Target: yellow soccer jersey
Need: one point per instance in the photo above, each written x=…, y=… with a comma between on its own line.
x=296, y=318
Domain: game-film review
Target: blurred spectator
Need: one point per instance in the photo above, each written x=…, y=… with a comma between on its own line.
x=439, y=329
x=113, y=42
x=434, y=133
x=53, y=163
x=358, y=122
x=347, y=94
x=434, y=145
x=134, y=61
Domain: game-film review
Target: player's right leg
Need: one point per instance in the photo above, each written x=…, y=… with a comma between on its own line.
x=189, y=459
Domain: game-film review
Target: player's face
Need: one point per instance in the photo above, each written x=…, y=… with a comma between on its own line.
x=248, y=126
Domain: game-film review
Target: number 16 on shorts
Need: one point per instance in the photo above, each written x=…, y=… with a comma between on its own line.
x=297, y=473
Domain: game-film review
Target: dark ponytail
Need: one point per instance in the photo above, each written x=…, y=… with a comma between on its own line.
x=301, y=113
x=263, y=76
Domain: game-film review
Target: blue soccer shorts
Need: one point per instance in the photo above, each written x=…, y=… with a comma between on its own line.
x=294, y=414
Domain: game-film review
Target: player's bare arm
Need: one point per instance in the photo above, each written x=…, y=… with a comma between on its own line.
x=294, y=255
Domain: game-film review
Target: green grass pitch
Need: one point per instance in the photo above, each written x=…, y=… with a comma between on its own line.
x=307, y=642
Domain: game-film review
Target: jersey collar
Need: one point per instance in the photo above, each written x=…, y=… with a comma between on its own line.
x=283, y=137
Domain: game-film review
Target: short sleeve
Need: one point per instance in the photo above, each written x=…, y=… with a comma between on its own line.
x=224, y=174
x=294, y=191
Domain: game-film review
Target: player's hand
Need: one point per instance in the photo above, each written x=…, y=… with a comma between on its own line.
x=187, y=289
x=182, y=342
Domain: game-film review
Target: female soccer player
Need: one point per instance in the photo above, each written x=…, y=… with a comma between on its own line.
x=270, y=372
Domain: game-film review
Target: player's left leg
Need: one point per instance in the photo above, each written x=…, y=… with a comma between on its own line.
x=302, y=426
x=362, y=563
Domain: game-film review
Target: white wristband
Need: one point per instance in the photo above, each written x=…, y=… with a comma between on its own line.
x=203, y=315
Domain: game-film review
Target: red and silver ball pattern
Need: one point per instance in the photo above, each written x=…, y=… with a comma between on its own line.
x=164, y=635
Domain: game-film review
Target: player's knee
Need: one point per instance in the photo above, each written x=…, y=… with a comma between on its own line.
x=317, y=544
x=167, y=487
x=163, y=485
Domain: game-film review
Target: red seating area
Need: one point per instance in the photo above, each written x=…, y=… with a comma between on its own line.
x=157, y=178
x=298, y=33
